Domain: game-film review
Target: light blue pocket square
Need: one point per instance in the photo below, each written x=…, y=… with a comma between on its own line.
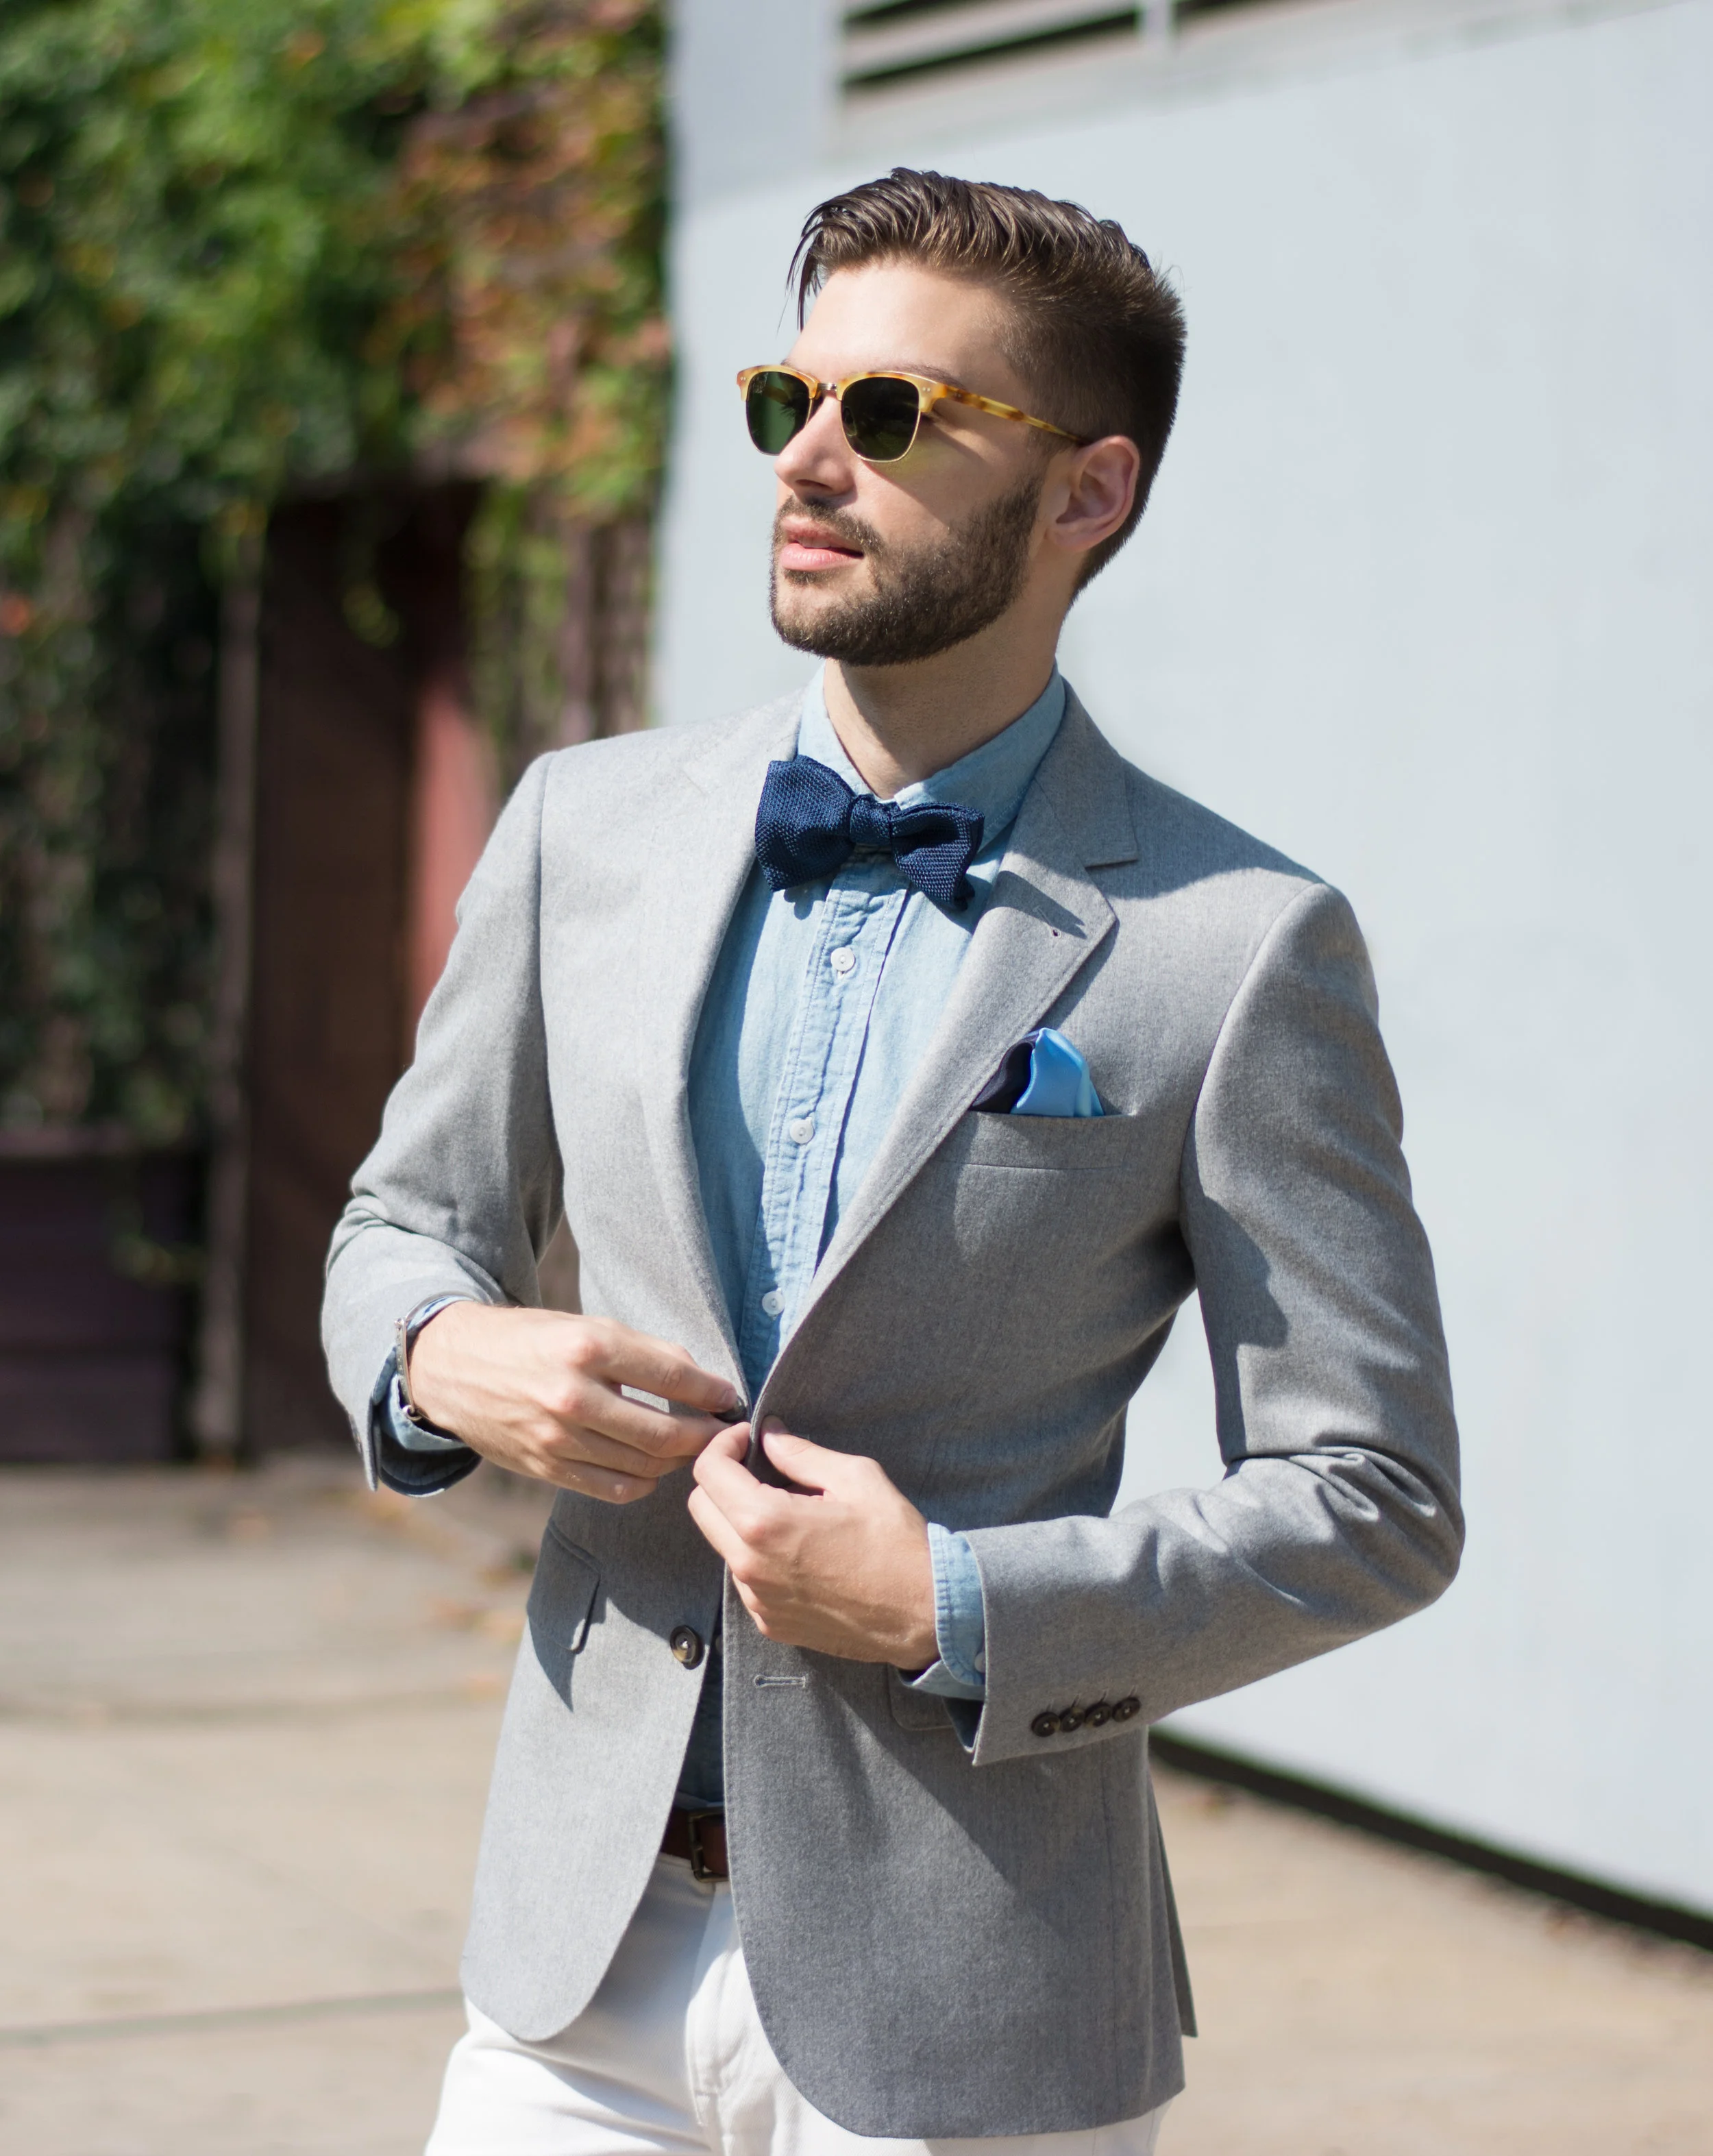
x=1043, y=1074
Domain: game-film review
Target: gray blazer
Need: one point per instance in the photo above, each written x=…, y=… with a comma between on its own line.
x=941, y=1941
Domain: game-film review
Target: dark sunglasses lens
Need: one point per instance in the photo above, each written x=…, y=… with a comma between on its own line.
x=880, y=414
x=777, y=407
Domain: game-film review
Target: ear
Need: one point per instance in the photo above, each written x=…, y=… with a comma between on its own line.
x=1097, y=483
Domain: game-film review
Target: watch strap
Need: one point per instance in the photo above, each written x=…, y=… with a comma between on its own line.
x=405, y=1333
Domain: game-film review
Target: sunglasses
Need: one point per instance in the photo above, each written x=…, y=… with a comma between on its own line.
x=881, y=413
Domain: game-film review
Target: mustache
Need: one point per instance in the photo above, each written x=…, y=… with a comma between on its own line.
x=843, y=523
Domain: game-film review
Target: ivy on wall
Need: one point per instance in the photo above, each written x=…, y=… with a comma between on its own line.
x=246, y=250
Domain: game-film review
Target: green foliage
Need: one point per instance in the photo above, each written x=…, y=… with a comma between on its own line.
x=247, y=246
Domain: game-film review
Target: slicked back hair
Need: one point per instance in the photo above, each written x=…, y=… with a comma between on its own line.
x=1097, y=334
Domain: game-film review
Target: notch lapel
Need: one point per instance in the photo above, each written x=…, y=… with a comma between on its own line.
x=1044, y=919
x=706, y=843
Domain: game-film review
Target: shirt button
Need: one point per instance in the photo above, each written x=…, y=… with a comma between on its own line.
x=801, y=1131
x=843, y=961
x=772, y=1302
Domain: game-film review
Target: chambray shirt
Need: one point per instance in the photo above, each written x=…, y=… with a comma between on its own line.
x=823, y=1003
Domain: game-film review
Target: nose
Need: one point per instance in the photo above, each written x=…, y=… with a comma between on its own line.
x=818, y=460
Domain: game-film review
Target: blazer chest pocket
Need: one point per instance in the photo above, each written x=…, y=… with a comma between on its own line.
x=1089, y=1145
x=1046, y=1204
x=562, y=1606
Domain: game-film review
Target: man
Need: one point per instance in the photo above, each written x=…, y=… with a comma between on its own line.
x=901, y=1059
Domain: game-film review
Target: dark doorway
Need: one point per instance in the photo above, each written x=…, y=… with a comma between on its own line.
x=94, y=1307
x=360, y=605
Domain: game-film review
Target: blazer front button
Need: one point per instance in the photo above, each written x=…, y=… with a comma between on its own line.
x=1126, y=1709
x=1045, y=1725
x=686, y=1644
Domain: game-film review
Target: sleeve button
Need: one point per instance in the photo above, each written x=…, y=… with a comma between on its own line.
x=1071, y=1720
x=686, y=1645
x=1126, y=1710
x=1045, y=1725
x=1098, y=1716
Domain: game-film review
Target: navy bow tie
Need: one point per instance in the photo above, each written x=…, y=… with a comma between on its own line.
x=810, y=823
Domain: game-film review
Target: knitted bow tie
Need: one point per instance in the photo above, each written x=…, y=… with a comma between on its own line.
x=810, y=823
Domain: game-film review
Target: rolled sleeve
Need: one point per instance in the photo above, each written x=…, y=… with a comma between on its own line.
x=415, y=1461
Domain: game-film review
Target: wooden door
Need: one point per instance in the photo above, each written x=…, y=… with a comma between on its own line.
x=336, y=719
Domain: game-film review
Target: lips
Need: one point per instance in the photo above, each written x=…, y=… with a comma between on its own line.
x=808, y=549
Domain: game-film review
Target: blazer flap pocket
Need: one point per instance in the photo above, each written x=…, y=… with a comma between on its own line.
x=561, y=1603
x=915, y=1710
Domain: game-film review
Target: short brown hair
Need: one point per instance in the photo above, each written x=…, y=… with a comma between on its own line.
x=1099, y=333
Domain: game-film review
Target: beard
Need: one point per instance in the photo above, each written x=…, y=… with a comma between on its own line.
x=925, y=599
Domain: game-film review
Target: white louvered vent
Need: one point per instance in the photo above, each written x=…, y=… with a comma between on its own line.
x=895, y=41
x=900, y=41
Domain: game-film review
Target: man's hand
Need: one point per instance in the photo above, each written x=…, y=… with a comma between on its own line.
x=840, y=1565
x=538, y=1391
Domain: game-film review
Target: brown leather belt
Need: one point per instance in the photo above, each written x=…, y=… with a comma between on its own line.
x=699, y=1838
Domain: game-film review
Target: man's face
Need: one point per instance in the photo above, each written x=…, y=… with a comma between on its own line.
x=882, y=564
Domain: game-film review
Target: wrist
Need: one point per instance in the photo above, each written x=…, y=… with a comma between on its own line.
x=921, y=1643
x=420, y=1364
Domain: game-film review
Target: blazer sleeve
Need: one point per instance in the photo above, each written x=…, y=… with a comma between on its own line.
x=1338, y=1511
x=463, y=1187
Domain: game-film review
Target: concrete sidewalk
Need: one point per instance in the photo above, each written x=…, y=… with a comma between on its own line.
x=245, y=1725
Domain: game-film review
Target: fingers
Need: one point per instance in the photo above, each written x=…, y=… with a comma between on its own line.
x=605, y=1357
x=480, y=1369
x=751, y=1504
x=587, y=1478
x=656, y=1366
x=540, y=1391
x=735, y=1526
x=587, y=1448
x=717, y=1531
x=720, y=1471
x=582, y=1458
x=820, y=1472
x=590, y=1481
x=587, y=1405
x=731, y=1441
x=750, y=1516
x=811, y=1466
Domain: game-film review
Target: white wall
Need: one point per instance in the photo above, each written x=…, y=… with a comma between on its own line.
x=1424, y=597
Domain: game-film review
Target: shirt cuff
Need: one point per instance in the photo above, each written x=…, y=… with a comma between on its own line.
x=960, y=1621
x=432, y=1460
x=413, y=1436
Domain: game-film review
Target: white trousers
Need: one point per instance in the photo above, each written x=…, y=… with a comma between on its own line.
x=670, y=2056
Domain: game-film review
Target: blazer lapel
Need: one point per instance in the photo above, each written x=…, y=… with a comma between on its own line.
x=706, y=842
x=1044, y=919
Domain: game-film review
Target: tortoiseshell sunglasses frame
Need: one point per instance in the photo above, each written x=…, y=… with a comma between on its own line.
x=929, y=393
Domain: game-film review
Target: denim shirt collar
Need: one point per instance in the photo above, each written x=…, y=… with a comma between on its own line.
x=992, y=779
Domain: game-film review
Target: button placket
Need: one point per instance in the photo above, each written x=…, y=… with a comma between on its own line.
x=820, y=1065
